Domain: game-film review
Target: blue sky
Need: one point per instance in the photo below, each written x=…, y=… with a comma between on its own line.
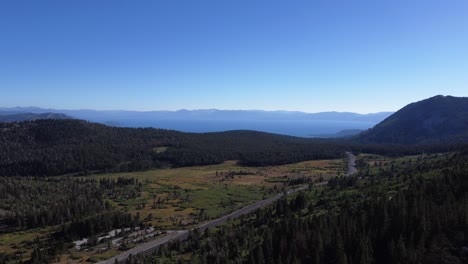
x=360, y=56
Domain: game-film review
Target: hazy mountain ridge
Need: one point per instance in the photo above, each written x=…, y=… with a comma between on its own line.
x=205, y=114
x=213, y=120
x=340, y=134
x=439, y=119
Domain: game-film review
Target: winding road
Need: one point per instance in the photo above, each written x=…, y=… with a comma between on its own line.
x=351, y=164
x=151, y=246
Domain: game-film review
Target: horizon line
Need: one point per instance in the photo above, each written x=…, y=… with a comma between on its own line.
x=198, y=109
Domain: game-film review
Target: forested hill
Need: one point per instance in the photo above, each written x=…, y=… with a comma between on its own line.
x=53, y=147
x=439, y=119
x=18, y=117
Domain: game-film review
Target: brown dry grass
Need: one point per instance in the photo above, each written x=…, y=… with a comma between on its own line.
x=206, y=187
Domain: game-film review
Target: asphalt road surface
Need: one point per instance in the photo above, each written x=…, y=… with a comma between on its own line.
x=151, y=246
x=351, y=164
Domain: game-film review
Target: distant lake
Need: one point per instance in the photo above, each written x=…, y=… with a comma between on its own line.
x=285, y=127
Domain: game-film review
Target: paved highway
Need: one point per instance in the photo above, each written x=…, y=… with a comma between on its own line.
x=151, y=246
x=351, y=164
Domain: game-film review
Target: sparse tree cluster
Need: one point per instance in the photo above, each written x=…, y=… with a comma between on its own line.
x=29, y=202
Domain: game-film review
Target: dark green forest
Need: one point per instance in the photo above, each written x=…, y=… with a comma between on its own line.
x=55, y=147
x=58, y=147
x=411, y=213
x=439, y=119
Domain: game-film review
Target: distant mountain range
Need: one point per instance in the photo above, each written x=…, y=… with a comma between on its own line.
x=203, y=114
x=213, y=120
x=54, y=147
x=439, y=119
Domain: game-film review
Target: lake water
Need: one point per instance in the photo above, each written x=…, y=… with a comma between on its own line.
x=285, y=127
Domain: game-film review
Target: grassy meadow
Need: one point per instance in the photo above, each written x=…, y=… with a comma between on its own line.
x=181, y=198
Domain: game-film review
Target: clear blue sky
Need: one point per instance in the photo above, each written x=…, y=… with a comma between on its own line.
x=361, y=56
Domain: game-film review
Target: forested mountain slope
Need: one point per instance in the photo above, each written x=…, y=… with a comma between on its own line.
x=439, y=119
x=53, y=147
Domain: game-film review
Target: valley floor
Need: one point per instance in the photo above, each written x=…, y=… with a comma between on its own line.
x=174, y=199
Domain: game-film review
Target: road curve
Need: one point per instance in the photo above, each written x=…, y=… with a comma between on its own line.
x=351, y=164
x=151, y=246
